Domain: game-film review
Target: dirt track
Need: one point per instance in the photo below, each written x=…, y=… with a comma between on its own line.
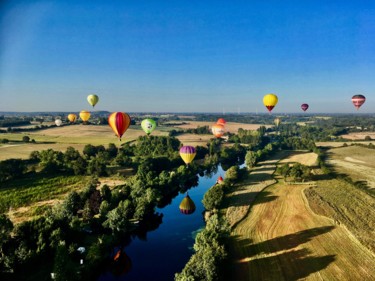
x=283, y=239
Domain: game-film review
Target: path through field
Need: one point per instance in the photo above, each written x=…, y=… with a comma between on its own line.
x=284, y=240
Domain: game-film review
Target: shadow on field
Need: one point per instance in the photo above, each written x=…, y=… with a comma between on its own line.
x=282, y=243
x=290, y=265
x=244, y=199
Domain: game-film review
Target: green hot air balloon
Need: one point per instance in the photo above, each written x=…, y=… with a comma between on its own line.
x=148, y=125
x=92, y=99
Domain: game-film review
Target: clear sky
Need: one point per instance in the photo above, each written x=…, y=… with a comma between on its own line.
x=186, y=56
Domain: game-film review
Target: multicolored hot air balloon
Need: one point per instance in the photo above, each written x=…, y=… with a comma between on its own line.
x=72, y=117
x=277, y=121
x=148, y=125
x=304, y=106
x=119, y=122
x=85, y=116
x=218, y=130
x=92, y=99
x=270, y=101
x=187, y=153
x=358, y=100
x=221, y=121
x=187, y=205
x=58, y=122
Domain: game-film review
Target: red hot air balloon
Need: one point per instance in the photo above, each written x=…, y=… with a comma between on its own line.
x=187, y=205
x=218, y=130
x=220, y=180
x=304, y=106
x=221, y=121
x=119, y=122
x=358, y=100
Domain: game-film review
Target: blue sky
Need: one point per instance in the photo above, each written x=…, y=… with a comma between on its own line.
x=186, y=56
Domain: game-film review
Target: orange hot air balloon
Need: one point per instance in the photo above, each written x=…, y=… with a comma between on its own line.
x=119, y=122
x=221, y=121
x=72, y=117
x=218, y=130
x=85, y=115
x=270, y=101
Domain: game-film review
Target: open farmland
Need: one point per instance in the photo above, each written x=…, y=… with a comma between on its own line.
x=305, y=158
x=282, y=238
x=231, y=127
x=359, y=135
x=355, y=161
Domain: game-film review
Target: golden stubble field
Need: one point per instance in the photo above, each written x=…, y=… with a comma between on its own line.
x=355, y=161
x=281, y=238
x=231, y=127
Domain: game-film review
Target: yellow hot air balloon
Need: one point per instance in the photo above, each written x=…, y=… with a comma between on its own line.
x=92, y=99
x=270, y=101
x=85, y=116
x=187, y=153
x=72, y=117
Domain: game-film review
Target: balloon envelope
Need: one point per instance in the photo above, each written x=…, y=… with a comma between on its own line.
x=85, y=115
x=218, y=130
x=119, y=122
x=58, y=122
x=72, y=117
x=277, y=121
x=221, y=121
x=92, y=99
x=187, y=153
x=148, y=125
x=220, y=180
x=304, y=106
x=270, y=101
x=358, y=100
x=187, y=205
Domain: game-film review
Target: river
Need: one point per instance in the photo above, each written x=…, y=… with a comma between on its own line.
x=168, y=248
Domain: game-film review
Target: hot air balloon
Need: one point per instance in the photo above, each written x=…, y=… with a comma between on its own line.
x=92, y=99
x=358, y=100
x=304, y=106
x=270, y=101
x=277, y=121
x=221, y=121
x=72, y=117
x=58, y=122
x=85, y=116
x=122, y=263
x=187, y=205
x=119, y=122
x=218, y=130
x=148, y=125
x=220, y=180
x=187, y=153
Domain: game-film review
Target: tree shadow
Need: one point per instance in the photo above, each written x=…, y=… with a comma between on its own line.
x=246, y=198
x=292, y=265
x=280, y=243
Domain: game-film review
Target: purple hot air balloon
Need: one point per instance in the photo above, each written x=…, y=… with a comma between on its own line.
x=304, y=106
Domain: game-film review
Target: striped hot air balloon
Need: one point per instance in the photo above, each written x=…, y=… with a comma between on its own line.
x=187, y=205
x=270, y=101
x=218, y=130
x=304, y=106
x=358, y=100
x=187, y=153
x=119, y=122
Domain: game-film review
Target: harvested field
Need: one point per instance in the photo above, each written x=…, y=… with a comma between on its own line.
x=359, y=135
x=283, y=239
x=231, y=127
x=355, y=161
x=305, y=158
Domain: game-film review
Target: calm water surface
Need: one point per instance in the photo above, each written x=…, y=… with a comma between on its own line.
x=169, y=247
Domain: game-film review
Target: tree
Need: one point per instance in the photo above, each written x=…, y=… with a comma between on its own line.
x=118, y=218
x=11, y=169
x=213, y=197
x=232, y=174
x=25, y=138
x=251, y=159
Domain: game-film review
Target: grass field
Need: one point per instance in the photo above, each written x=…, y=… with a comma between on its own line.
x=359, y=135
x=281, y=238
x=354, y=161
x=231, y=127
x=305, y=158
